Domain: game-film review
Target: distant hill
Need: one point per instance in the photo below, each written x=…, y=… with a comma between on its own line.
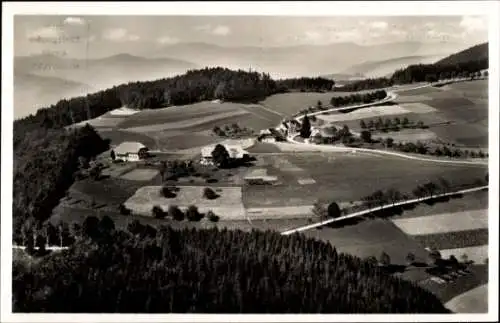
x=298, y=61
x=474, y=53
x=388, y=66
x=34, y=91
x=102, y=72
x=41, y=80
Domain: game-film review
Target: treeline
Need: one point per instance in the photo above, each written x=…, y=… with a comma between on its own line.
x=44, y=164
x=340, y=101
x=387, y=124
x=148, y=270
x=423, y=149
x=367, y=84
x=422, y=73
x=306, y=84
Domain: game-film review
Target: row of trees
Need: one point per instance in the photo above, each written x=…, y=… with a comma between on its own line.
x=232, y=131
x=389, y=124
x=148, y=270
x=340, y=101
x=423, y=149
x=423, y=73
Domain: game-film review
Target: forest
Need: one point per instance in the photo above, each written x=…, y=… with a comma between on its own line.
x=44, y=163
x=146, y=270
x=422, y=73
x=306, y=84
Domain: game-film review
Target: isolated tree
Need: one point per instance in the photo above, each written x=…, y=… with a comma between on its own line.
x=389, y=142
x=112, y=155
x=220, y=155
x=158, y=212
x=334, y=210
x=305, y=129
x=362, y=124
x=371, y=124
x=385, y=259
x=163, y=170
x=192, y=213
x=209, y=193
x=319, y=105
x=366, y=136
x=320, y=211
x=175, y=213
x=212, y=217
x=420, y=124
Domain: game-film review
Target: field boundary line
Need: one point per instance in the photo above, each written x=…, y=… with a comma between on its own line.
x=383, y=207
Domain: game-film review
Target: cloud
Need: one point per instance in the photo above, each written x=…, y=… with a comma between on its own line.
x=167, y=40
x=119, y=35
x=48, y=33
x=352, y=35
x=379, y=25
x=75, y=21
x=473, y=24
x=312, y=35
x=219, y=30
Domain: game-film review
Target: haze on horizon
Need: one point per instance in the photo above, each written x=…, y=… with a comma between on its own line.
x=145, y=35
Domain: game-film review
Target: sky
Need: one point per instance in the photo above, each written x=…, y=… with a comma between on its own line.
x=110, y=35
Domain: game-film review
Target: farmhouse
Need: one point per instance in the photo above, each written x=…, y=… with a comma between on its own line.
x=235, y=152
x=131, y=151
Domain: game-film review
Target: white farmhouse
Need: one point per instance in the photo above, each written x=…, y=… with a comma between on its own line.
x=131, y=151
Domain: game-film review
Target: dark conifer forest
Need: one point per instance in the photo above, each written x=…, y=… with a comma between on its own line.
x=209, y=271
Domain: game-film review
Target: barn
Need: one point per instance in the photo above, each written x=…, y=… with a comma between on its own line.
x=131, y=151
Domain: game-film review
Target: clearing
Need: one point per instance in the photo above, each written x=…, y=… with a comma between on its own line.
x=443, y=223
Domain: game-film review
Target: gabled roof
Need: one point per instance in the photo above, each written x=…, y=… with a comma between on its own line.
x=128, y=147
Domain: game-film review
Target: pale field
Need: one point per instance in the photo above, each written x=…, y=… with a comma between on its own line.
x=123, y=111
x=472, y=301
x=412, y=98
x=412, y=135
x=418, y=107
x=181, y=124
x=442, y=223
x=140, y=174
x=478, y=254
x=227, y=206
x=306, y=181
x=364, y=113
x=282, y=212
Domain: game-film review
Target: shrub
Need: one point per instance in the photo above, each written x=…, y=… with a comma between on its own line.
x=158, y=212
x=212, y=217
x=211, y=180
x=167, y=192
x=209, y=193
x=175, y=213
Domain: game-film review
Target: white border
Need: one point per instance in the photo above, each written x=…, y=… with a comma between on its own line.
x=374, y=8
